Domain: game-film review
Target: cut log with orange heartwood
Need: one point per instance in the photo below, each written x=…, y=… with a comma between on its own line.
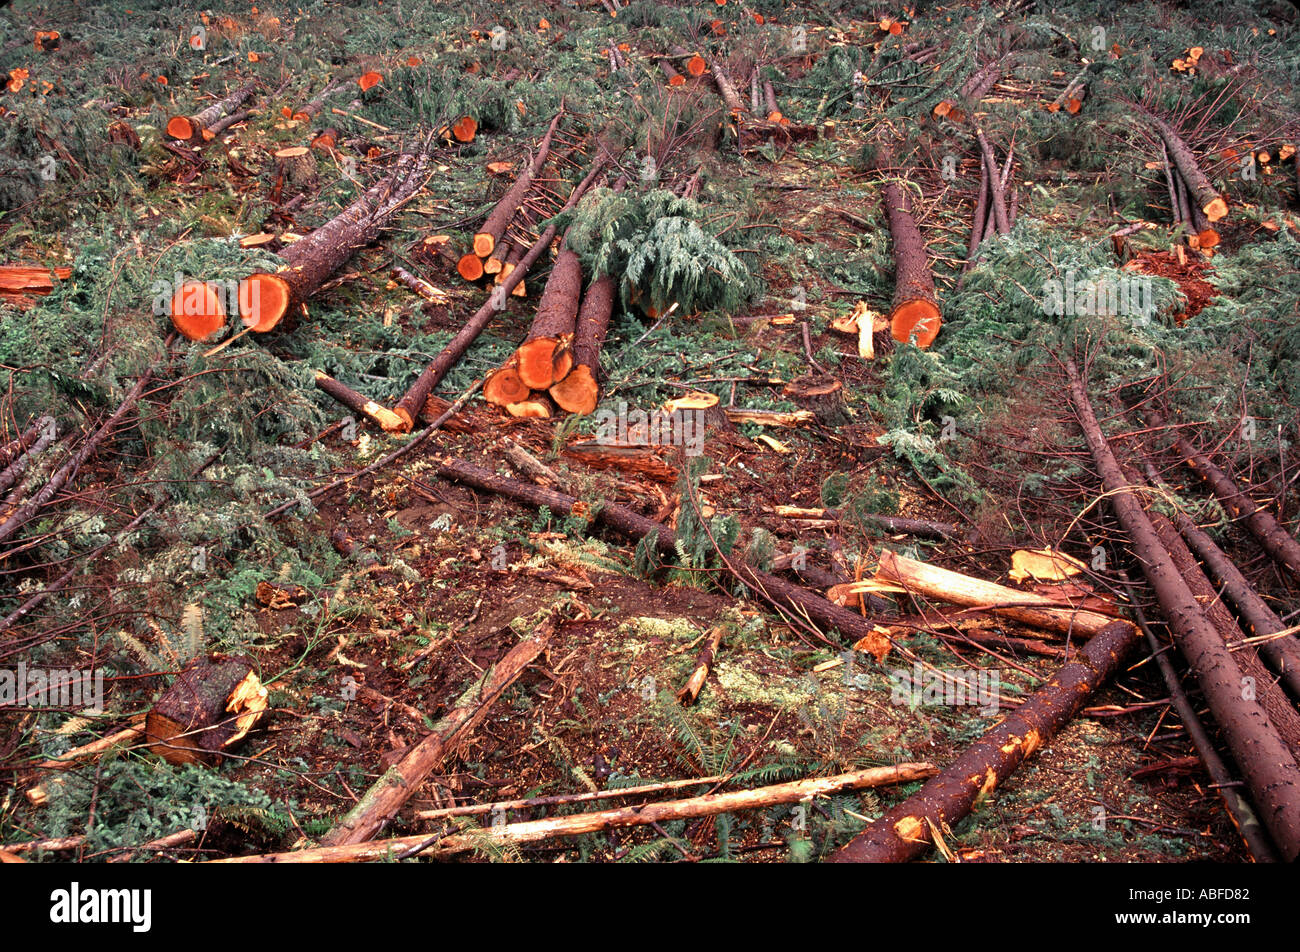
x=267, y=298
x=915, y=310
x=497, y=222
x=192, y=128
x=544, y=357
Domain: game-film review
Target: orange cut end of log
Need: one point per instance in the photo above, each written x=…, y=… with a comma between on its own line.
x=1073, y=106
x=179, y=127
x=577, y=392
x=197, y=311
x=919, y=317
x=530, y=409
x=1209, y=238
x=504, y=387
x=542, y=362
x=263, y=301
x=1216, y=209
x=484, y=244
x=300, y=117
x=696, y=65
x=677, y=80
x=324, y=142
x=1053, y=107
x=413, y=61
x=465, y=129
x=493, y=266
x=369, y=80
x=775, y=116
x=470, y=267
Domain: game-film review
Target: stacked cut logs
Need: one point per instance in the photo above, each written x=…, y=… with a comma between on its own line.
x=1193, y=200
x=492, y=247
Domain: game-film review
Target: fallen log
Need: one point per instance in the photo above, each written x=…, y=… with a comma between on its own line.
x=922, y=528
x=1203, y=194
x=579, y=391
x=915, y=311
x=533, y=831
x=1282, y=654
x=1269, y=768
x=400, y=782
x=997, y=194
x=1281, y=712
x=381, y=416
x=500, y=217
x=19, y=453
x=503, y=386
x=419, y=391
x=210, y=706
x=905, y=831
x=1027, y=608
x=1239, y=810
x=195, y=129
x=267, y=298
x=979, y=220
x=96, y=747
x=17, y=279
x=544, y=357
x=703, y=664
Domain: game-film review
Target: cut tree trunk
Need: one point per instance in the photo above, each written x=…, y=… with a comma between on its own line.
x=534, y=831
x=267, y=298
x=499, y=219
x=1028, y=608
x=921, y=528
x=503, y=386
x=1203, y=194
x=382, y=801
x=915, y=311
x=579, y=391
x=1282, y=654
x=419, y=391
x=192, y=129
x=735, y=105
x=906, y=830
x=544, y=357
x=1266, y=763
x=208, y=708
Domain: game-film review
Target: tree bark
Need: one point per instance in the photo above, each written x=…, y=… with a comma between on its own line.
x=499, y=220
x=1267, y=764
x=1202, y=192
x=904, y=832
x=915, y=310
x=267, y=298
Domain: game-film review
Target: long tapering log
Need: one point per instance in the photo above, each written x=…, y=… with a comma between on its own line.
x=905, y=831
x=1281, y=712
x=1282, y=654
x=1268, y=766
x=1203, y=194
x=1028, y=608
x=400, y=782
x=535, y=831
x=1239, y=810
x=193, y=128
x=499, y=219
x=921, y=528
x=915, y=309
x=792, y=598
x=419, y=391
x=726, y=89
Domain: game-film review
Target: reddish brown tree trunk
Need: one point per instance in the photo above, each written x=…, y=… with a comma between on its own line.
x=192, y=128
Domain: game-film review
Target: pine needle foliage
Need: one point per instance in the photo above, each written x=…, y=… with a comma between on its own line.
x=656, y=243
